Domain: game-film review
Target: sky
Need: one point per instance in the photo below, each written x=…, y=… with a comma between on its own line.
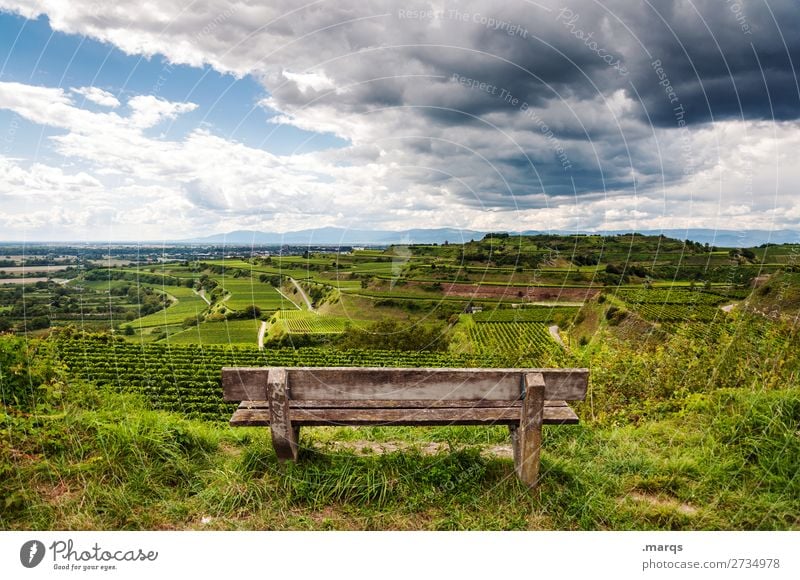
x=148, y=121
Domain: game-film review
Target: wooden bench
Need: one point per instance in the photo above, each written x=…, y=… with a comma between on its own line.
x=286, y=399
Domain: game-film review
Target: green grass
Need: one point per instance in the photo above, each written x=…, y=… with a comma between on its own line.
x=90, y=459
x=188, y=305
x=247, y=291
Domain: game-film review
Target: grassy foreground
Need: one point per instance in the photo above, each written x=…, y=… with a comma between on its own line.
x=73, y=456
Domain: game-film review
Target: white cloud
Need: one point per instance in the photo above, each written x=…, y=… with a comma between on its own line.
x=148, y=111
x=97, y=96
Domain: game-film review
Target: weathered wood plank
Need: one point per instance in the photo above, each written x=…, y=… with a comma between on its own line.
x=357, y=383
x=530, y=429
x=284, y=435
x=325, y=416
x=410, y=404
x=244, y=383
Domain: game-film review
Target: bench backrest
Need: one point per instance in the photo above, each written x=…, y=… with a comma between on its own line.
x=400, y=384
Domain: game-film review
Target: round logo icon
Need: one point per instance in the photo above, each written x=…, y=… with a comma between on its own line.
x=31, y=553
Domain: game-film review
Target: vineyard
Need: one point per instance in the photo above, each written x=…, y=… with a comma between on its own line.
x=678, y=312
x=669, y=296
x=542, y=314
x=186, y=379
x=225, y=332
x=527, y=343
x=304, y=322
x=672, y=305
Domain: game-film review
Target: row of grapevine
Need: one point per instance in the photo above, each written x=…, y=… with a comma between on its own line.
x=305, y=322
x=186, y=378
x=529, y=341
x=679, y=312
x=669, y=296
x=542, y=314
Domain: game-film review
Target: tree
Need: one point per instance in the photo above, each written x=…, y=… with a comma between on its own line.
x=251, y=311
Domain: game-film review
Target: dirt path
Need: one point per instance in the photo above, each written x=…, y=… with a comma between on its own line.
x=557, y=337
x=262, y=330
x=303, y=294
x=202, y=294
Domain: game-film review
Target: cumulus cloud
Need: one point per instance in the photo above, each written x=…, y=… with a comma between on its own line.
x=498, y=115
x=97, y=96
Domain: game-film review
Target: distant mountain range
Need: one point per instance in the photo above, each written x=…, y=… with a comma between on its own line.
x=347, y=237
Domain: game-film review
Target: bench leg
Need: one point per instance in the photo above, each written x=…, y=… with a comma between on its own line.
x=528, y=435
x=284, y=435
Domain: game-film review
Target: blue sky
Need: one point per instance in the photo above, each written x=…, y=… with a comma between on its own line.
x=193, y=118
x=33, y=53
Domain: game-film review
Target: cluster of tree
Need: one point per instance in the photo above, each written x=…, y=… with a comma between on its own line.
x=739, y=253
x=585, y=260
x=105, y=274
x=272, y=279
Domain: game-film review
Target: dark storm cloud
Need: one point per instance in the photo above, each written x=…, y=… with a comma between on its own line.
x=723, y=59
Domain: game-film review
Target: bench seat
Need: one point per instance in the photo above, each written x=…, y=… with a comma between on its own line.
x=430, y=413
x=288, y=398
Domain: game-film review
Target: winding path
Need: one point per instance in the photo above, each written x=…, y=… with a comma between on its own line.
x=202, y=294
x=557, y=337
x=262, y=330
x=303, y=294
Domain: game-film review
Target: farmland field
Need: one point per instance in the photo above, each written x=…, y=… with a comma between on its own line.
x=186, y=378
x=304, y=322
x=249, y=292
x=225, y=332
x=532, y=314
x=678, y=312
x=188, y=305
x=529, y=343
x=663, y=296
